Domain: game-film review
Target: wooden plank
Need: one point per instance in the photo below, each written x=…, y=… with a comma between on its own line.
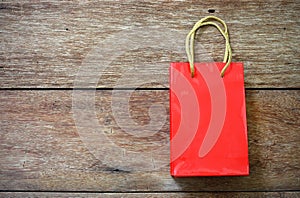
x=46, y=44
x=42, y=149
x=158, y=195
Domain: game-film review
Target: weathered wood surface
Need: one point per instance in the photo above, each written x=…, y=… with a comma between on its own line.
x=163, y=195
x=46, y=145
x=45, y=44
x=41, y=148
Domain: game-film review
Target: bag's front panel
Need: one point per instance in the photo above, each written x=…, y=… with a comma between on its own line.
x=208, y=120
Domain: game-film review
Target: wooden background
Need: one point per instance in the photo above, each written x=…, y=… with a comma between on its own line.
x=45, y=45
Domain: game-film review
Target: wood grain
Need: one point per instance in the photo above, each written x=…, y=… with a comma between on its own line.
x=145, y=195
x=50, y=139
x=42, y=149
x=47, y=44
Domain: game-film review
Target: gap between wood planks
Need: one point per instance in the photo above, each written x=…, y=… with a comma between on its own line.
x=130, y=88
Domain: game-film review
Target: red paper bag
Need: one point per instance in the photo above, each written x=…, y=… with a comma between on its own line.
x=208, y=129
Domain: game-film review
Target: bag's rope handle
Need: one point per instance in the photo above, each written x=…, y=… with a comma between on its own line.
x=189, y=42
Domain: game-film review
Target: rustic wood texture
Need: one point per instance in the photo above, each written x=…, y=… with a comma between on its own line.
x=40, y=146
x=49, y=145
x=163, y=195
x=45, y=43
